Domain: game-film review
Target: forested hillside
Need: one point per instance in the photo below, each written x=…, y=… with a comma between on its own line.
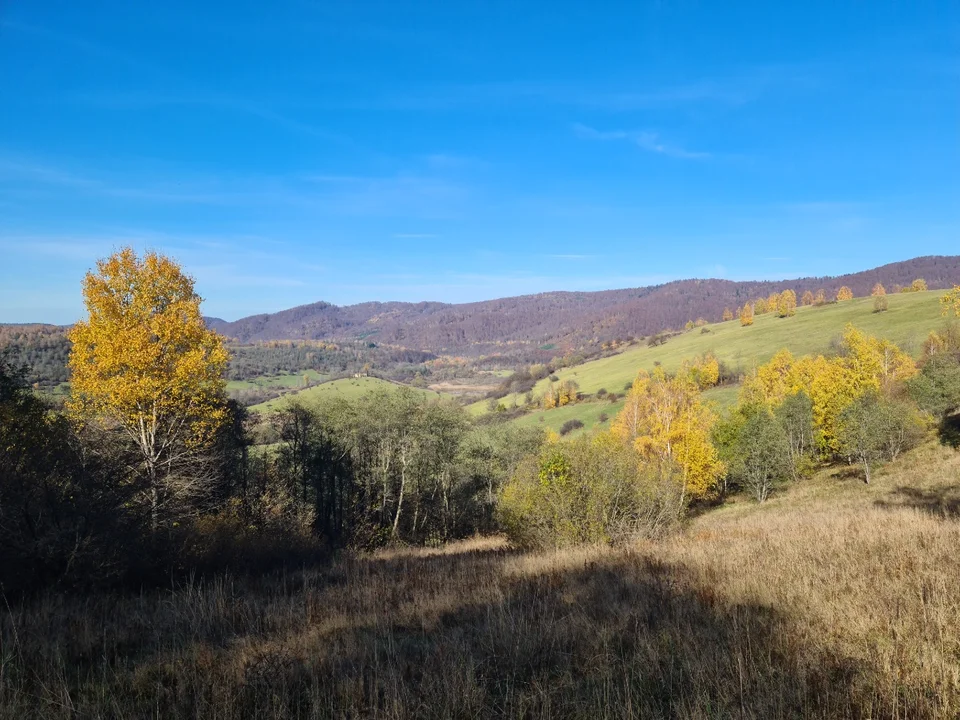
x=569, y=320
x=41, y=349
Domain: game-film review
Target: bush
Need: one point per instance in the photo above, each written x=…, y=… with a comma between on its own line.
x=937, y=388
x=603, y=417
x=762, y=455
x=877, y=428
x=589, y=490
x=570, y=425
x=601, y=392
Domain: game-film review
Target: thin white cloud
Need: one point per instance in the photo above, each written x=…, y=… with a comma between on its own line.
x=421, y=196
x=648, y=140
x=736, y=89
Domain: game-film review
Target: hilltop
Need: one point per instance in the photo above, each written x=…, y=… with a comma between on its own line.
x=556, y=322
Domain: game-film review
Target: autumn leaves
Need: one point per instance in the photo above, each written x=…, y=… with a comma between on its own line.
x=145, y=364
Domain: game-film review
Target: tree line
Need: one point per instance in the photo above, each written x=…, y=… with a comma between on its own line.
x=150, y=470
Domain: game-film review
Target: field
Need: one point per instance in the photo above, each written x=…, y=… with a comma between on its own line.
x=347, y=388
x=589, y=412
x=908, y=321
x=287, y=381
x=834, y=599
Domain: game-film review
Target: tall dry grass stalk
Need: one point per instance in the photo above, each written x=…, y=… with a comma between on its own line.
x=833, y=600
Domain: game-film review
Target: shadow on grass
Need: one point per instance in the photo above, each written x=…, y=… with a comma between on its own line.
x=949, y=431
x=483, y=633
x=942, y=501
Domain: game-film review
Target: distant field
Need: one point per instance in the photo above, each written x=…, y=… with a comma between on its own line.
x=910, y=318
x=589, y=412
x=348, y=388
x=286, y=381
x=908, y=321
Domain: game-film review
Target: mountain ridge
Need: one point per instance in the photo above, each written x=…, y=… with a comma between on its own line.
x=567, y=319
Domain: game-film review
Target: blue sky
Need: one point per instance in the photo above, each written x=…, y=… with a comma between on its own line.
x=295, y=151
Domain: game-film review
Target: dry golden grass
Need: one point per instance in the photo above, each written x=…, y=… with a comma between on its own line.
x=835, y=599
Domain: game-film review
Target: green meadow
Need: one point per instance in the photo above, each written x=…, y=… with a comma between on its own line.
x=346, y=388
x=288, y=381
x=910, y=318
x=908, y=321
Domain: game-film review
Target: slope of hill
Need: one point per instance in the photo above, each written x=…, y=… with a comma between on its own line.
x=834, y=599
x=908, y=321
x=346, y=388
x=564, y=319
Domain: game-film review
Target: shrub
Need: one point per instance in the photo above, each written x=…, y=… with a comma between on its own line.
x=601, y=392
x=937, y=388
x=875, y=428
x=589, y=490
x=762, y=455
x=570, y=425
x=603, y=417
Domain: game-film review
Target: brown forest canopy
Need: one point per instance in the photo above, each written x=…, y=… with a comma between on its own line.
x=517, y=326
x=559, y=317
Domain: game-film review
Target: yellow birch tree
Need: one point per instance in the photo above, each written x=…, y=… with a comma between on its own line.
x=666, y=421
x=145, y=364
x=787, y=304
x=950, y=302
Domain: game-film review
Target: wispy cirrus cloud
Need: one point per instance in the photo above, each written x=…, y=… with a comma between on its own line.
x=738, y=88
x=403, y=194
x=648, y=140
x=147, y=100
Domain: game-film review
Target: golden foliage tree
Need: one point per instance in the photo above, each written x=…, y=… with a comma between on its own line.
x=878, y=290
x=746, y=315
x=950, y=302
x=880, y=303
x=867, y=364
x=844, y=293
x=787, y=304
x=727, y=314
x=760, y=306
x=145, y=364
x=550, y=397
x=667, y=422
x=918, y=285
x=807, y=298
x=820, y=298
x=703, y=371
x=772, y=300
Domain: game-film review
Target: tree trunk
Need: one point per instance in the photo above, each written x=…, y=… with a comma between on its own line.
x=403, y=482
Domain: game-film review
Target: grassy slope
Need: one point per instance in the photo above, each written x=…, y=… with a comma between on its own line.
x=348, y=388
x=908, y=321
x=589, y=412
x=834, y=599
x=285, y=381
